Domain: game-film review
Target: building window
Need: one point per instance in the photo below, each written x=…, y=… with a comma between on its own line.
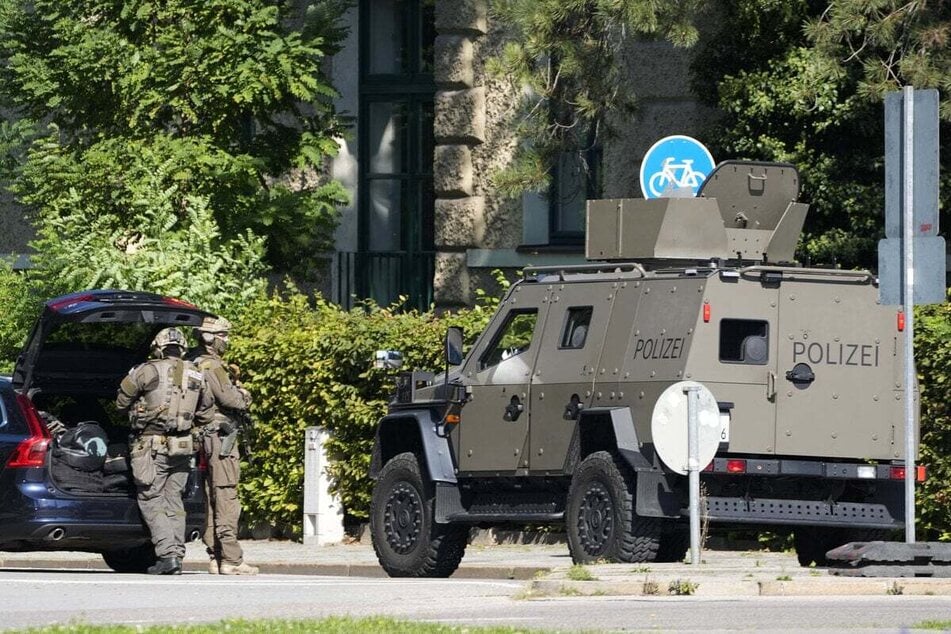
x=575, y=180
x=396, y=201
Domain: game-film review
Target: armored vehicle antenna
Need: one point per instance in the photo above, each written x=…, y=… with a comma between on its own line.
x=745, y=211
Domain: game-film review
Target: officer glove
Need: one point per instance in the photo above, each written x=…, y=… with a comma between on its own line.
x=226, y=428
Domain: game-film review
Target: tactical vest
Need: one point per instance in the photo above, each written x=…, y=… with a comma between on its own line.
x=171, y=405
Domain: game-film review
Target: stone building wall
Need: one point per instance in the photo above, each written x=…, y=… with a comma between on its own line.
x=477, y=230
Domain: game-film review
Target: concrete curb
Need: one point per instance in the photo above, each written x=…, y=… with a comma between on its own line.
x=652, y=585
x=519, y=573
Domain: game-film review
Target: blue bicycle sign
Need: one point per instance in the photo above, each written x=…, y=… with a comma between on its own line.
x=675, y=166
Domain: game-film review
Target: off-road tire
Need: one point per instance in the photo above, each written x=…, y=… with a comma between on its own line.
x=131, y=560
x=674, y=545
x=406, y=538
x=812, y=543
x=601, y=523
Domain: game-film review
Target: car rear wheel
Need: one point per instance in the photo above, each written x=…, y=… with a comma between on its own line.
x=407, y=540
x=601, y=522
x=134, y=560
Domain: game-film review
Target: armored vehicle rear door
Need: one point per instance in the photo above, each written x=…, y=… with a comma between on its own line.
x=565, y=368
x=836, y=387
x=734, y=354
x=493, y=432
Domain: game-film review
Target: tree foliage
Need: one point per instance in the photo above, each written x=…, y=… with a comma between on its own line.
x=215, y=112
x=803, y=82
x=564, y=57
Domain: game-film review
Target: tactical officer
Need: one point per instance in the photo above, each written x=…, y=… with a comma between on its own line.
x=219, y=442
x=164, y=397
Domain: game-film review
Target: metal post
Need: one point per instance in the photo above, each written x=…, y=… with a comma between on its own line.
x=323, y=514
x=908, y=182
x=693, y=468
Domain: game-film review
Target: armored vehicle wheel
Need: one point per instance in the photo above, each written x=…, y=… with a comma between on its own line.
x=135, y=560
x=601, y=522
x=813, y=543
x=674, y=544
x=407, y=540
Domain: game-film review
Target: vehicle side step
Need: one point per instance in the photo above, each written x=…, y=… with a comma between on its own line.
x=499, y=507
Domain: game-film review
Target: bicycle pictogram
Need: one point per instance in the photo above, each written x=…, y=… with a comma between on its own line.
x=676, y=165
x=678, y=175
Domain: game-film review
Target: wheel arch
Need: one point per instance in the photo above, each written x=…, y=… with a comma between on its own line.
x=414, y=431
x=612, y=429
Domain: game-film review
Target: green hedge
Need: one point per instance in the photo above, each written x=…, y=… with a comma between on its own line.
x=310, y=363
x=933, y=357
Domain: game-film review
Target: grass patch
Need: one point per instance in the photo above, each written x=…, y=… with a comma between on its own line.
x=332, y=625
x=932, y=625
x=682, y=587
x=579, y=573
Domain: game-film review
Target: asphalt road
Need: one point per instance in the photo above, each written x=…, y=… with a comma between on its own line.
x=30, y=598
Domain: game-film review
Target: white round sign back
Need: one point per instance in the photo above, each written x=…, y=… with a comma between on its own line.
x=669, y=426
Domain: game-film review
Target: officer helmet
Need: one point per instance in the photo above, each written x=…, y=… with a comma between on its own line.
x=166, y=338
x=213, y=333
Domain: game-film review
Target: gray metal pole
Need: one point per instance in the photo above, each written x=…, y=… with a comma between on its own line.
x=693, y=468
x=908, y=201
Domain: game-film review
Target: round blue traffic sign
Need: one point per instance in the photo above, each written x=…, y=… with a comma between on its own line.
x=675, y=166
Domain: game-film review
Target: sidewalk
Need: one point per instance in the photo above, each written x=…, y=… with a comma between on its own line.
x=548, y=570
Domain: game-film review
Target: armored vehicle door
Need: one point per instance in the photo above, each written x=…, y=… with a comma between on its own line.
x=493, y=431
x=838, y=395
x=564, y=370
x=734, y=354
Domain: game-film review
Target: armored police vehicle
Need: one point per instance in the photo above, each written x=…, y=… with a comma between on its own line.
x=563, y=410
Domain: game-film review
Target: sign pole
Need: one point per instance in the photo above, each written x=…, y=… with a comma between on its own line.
x=693, y=468
x=908, y=229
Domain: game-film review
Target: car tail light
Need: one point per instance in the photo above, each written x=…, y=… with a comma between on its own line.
x=898, y=473
x=172, y=301
x=32, y=451
x=70, y=301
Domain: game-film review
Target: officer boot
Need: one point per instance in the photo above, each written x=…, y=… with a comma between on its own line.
x=213, y=566
x=240, y=569
x=166, y=566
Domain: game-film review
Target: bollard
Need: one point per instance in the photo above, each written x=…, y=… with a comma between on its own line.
x=323, y=514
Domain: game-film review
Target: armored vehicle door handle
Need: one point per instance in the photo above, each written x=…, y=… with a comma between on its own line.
x=770, y=385
x=573, y=408
x=514, y=409
x=801, y=374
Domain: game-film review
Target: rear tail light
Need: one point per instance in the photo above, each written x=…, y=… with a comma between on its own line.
x=736, y=466
x=898, y=473
x=32, y=451
x=70, y=301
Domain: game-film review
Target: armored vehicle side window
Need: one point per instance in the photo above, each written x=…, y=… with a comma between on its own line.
x=513, y=338
x=576, y=327
x=744, y=341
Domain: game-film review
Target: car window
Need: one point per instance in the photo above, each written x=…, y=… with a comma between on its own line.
x=744, y=341
x=575, y=332
x=9, y=423
x=512, y=339
x=127, y=336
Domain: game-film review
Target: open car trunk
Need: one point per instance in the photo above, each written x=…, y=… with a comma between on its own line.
x=77, y=354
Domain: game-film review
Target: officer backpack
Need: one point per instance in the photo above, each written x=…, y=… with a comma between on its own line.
x=171, y=405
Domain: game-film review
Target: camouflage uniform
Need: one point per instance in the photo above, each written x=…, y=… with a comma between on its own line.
x=165, y=398
x=224, y=468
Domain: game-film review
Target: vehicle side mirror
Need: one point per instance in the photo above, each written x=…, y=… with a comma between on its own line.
x=388, y=360
x=454, y=354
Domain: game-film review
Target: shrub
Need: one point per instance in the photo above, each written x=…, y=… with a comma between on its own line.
x=310, y=364
x=933, y=358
